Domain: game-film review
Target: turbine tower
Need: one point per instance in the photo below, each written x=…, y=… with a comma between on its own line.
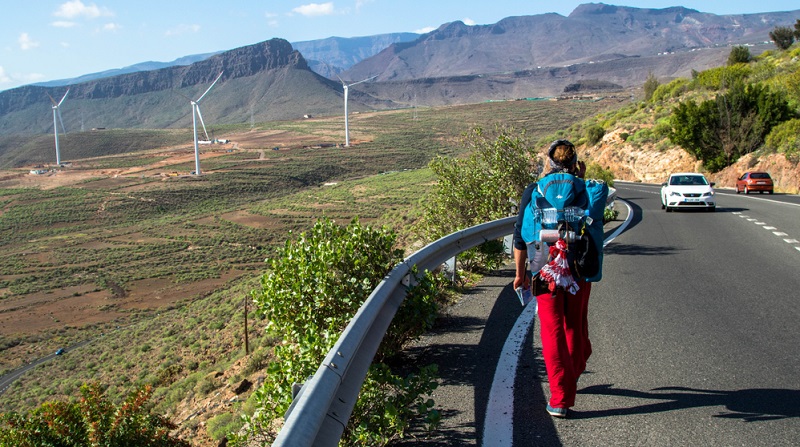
x=346, y=119
x=196, y=114
x=57, y=112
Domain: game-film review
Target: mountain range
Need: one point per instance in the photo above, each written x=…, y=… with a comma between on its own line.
x=597, y=48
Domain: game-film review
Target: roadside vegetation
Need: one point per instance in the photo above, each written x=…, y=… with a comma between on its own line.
x=750, y=105
x=205, y=239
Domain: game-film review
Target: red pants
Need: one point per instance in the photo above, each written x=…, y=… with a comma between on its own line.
x=565, y=341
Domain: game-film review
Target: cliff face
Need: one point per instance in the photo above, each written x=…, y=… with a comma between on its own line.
x=238, y=63
x=650, y=165
x=253, y=78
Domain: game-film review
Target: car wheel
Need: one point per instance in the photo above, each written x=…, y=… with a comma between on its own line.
x=668, y=209
x=746, y=191
x=770, y=191
x=737, y=190
x=712, y=209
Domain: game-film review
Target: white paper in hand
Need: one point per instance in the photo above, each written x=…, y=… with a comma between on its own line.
x=525, y=296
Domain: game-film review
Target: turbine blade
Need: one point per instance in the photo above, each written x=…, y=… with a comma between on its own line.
x=55, y=104
x=64, y=97
x=364, y=80
x=200, y=115
x=61, y=120
x=209, y=88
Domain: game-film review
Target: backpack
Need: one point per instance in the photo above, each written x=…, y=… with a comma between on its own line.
x=563, y=202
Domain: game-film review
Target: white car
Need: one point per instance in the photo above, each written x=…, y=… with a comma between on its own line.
x=688, y=190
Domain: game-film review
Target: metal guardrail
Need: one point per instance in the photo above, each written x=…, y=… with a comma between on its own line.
x=320, y=411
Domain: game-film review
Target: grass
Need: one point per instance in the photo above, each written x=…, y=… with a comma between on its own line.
x=206, y=238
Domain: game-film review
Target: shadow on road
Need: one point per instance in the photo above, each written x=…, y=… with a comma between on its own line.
x=750, y=405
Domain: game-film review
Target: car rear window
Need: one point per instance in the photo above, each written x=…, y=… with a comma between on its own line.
x=759, y=175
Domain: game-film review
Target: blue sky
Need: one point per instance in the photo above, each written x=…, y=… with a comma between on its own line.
x=43, y=40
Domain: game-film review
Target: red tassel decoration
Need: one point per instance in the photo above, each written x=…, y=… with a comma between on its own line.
x=556, y=273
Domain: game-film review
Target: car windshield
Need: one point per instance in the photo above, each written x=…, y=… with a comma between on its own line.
x=759, y=175
x=688, y=180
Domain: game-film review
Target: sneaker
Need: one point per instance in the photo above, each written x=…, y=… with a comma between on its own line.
x=557, y=412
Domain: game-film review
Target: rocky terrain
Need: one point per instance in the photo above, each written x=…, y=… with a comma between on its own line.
x=649, y=165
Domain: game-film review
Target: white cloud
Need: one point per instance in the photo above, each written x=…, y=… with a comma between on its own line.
x=468, y=21
x=63, y=24
x=111, y=26
x=182, y=29
x=361, y=3
x=26, y=43
x=315, y=9
x=425, y=30
x=4, y=78
x=272, y=19
x=76, y=8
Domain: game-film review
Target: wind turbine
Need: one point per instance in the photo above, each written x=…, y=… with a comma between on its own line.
x=346, y=120
x=196, y=114
x=57, y=112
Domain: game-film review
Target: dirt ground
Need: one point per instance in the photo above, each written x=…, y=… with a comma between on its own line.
x=80, y=306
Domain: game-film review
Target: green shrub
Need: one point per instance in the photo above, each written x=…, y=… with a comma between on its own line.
x=315, y=285
x=479, y=188
x=594, y=134
x=650, y=86
x=722, y=77
x=597, y=172
x=610, y=214
x=735, y=123
x=739, y=55
x=92, y=420
x=785, y=138
x=222, y=424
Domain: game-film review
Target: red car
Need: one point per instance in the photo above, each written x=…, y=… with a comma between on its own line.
x=754, y=181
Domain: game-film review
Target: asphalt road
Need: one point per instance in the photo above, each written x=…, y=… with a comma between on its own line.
x=694, y=330
x=8, y=379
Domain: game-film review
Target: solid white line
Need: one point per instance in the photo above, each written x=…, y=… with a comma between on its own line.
x=498, y=426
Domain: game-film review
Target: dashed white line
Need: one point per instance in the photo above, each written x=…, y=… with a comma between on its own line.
x=769, y=228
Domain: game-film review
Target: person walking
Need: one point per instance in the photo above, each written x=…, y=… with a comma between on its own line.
x=563, y=302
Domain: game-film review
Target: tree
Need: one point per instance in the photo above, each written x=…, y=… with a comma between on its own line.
x=91, y=421
x=477, y=189
x=797, y=29
x=739, y=55
x=650, y=86
x=783, y=36
x=720, y=130
x=314, y=287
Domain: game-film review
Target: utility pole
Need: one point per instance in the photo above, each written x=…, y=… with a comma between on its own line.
x=246, y=343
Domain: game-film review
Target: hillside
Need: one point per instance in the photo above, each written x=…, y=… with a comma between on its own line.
x=261, y=82
x=592, y=33
x=518, y=57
